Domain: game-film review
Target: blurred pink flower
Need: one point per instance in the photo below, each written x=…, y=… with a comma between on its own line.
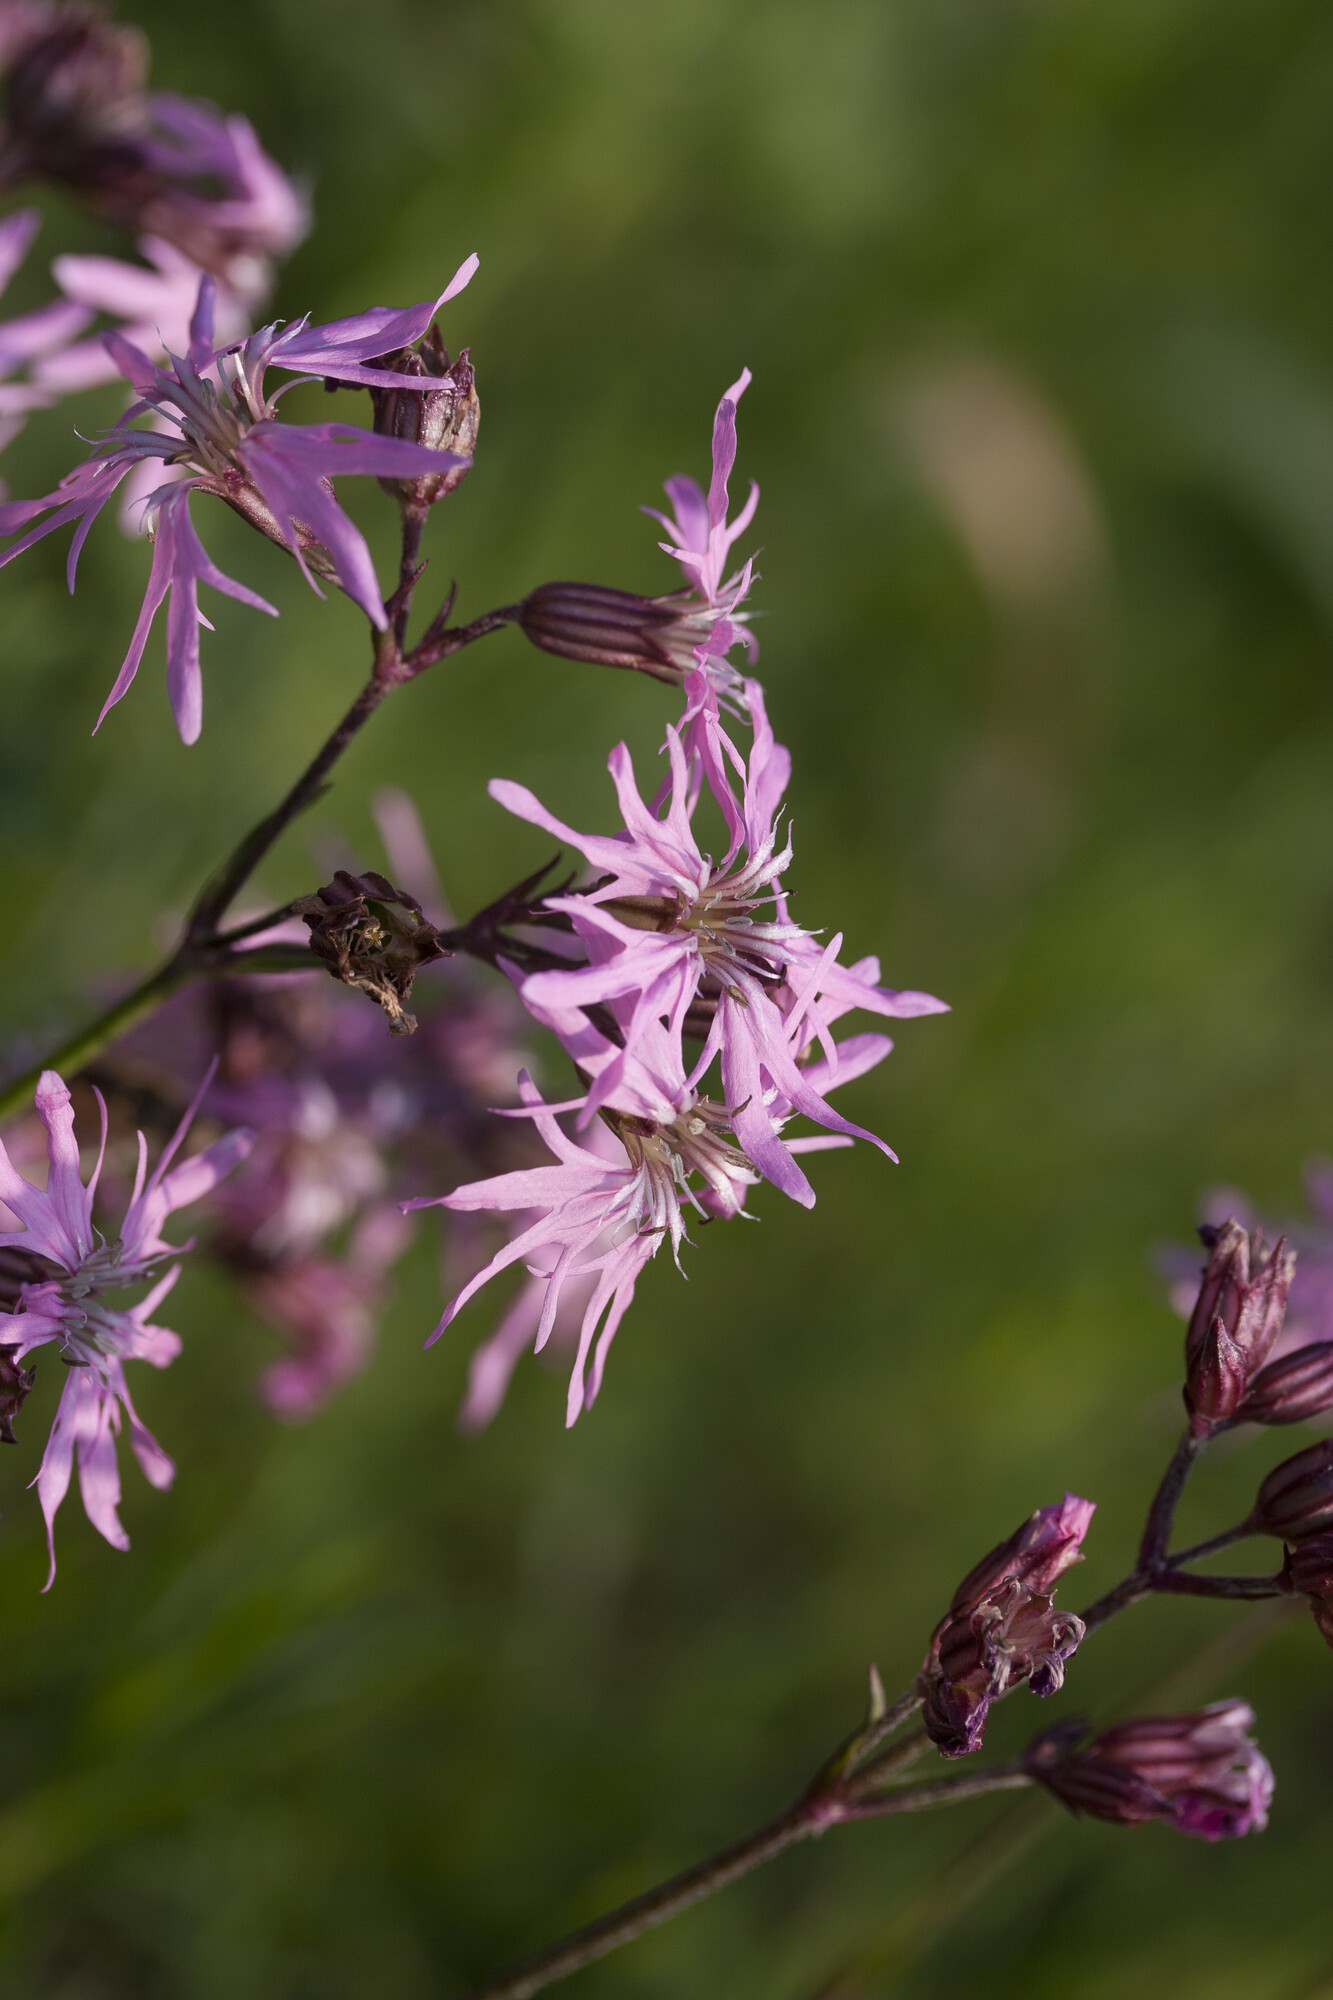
x=26, y=340
x=68, y=1304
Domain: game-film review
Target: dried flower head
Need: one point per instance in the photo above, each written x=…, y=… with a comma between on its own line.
x=444, y=418
x=373, y=937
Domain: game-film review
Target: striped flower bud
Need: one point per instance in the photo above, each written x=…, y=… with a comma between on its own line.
x=1293, y=1389
x=1296, y=1499
x=1200, y=1773
x=614, y=628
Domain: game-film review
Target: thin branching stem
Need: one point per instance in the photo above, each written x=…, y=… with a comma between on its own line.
x=207, y=952
x=811, y=1815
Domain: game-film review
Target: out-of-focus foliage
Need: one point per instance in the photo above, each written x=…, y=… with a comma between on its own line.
x=1039, y=299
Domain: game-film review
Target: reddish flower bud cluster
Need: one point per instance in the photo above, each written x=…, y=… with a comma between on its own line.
x=1236, y=1319
x=1002, y=1627
x=1200, y=1773
x=1295, y=1503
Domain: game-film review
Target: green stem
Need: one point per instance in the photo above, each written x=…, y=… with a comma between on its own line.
x=90, y=1041
x=180, y=971
x=207, y=953
x=812, y=1815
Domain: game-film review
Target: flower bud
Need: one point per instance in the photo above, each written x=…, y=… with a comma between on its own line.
x=1289, y=1391
x=1309, y=1572
x=1201, y=1773
x=1002, y=1627
x=1296, y=1499
x=614, y=628
x=444, y=418
x=1236, y=1318
x=1216, y=1384
x=374, y=937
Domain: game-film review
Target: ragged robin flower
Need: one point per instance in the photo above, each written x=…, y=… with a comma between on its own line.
x=76, y=1303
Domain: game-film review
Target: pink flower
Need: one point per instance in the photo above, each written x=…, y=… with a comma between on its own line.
x=328, y=1307
x=667, y=931
x=261, y=213
x=601, y=1218
x=155, y=307
x=218, y=434
x=700, y=540
x=24, y=341
x=69, y=1305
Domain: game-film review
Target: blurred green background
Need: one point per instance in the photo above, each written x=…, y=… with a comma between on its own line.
x=1038, y=295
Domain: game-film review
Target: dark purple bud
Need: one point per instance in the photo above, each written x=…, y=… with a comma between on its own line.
x=614, y=628
x=1296, y=1499
x=443, y=413
x=1236, y=1319
x=1002, y=1627
x=1309, y=1572
x=15, y=1384
x=374, y=937
x=1200, y=1773
x=1216, y=1385
x=1293, y=1389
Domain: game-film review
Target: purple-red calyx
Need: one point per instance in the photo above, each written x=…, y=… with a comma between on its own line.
x=1002, y=1627
x=1199, y=1773
x=69, y=1304
x=216, y=431
x=1296, y=1499
x=1236, y=1320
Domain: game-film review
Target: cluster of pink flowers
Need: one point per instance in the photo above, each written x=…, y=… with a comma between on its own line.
x=700, y=1018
